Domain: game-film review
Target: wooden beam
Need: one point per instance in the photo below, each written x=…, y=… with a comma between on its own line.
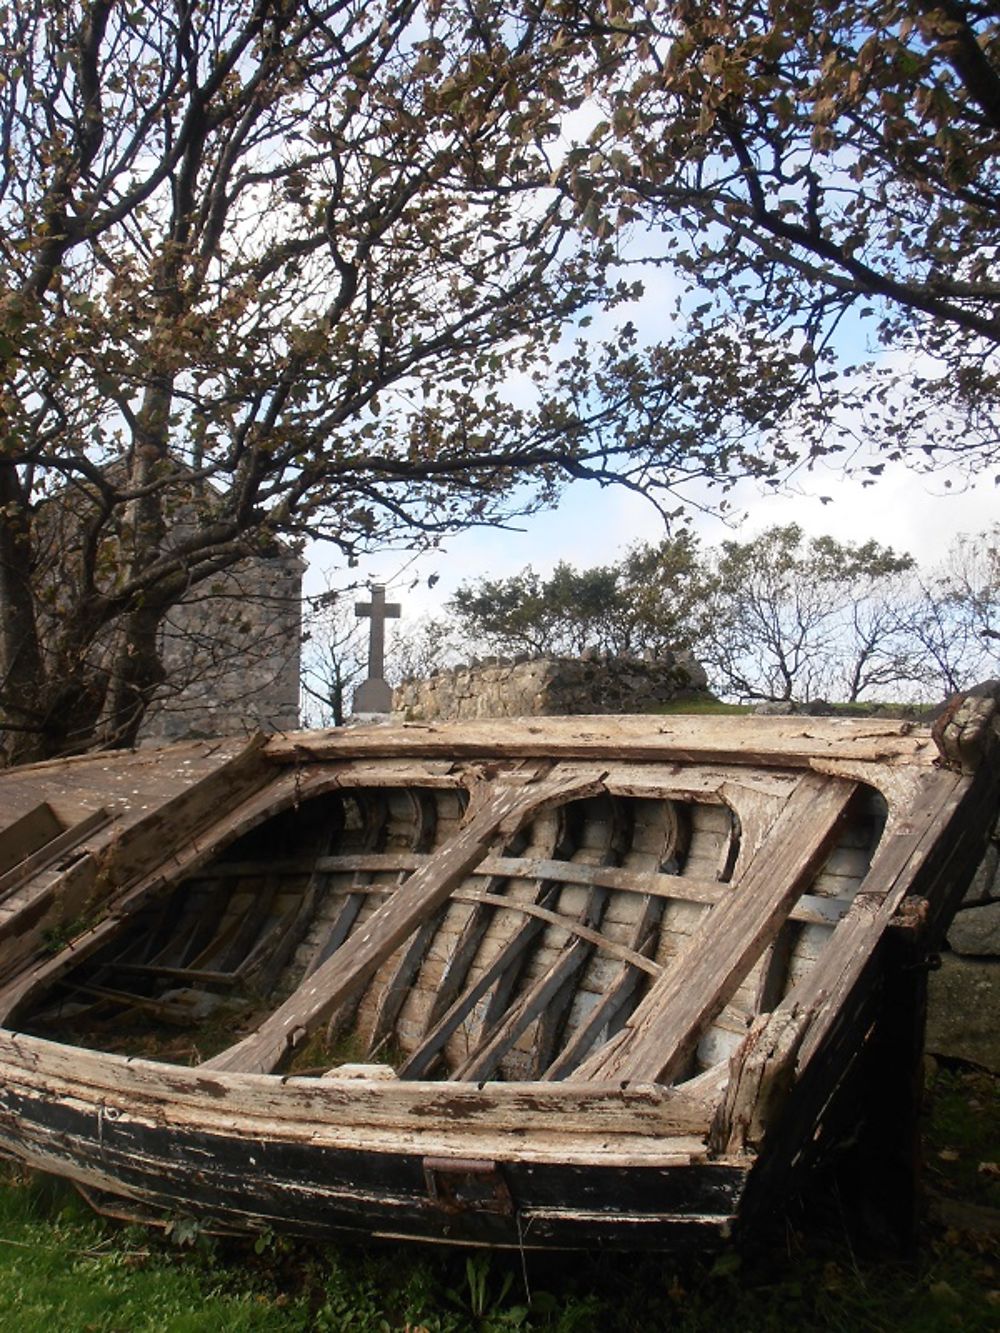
x=423, y=1059
x=698, y=983
x=789, y=741
x=617, y=994
x=813, y=909
x=568, y=923
x=551, y=836
x=52, y=851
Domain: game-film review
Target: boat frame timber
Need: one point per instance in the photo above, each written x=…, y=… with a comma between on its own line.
x=618, y=1153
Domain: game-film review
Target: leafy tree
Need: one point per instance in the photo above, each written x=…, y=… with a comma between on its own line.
x=650, y=600
x=956, y=621
x=800, y=619
x=268, y=266
x=820, y=172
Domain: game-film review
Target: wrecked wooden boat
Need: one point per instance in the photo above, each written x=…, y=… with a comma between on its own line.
x=559, y=982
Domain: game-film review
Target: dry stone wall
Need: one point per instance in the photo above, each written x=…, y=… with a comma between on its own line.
x=550, y=686
x=964, y=992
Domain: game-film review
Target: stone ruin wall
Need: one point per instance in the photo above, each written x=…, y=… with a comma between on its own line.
x=550, y=686
x=231, y=655
x=964, y=992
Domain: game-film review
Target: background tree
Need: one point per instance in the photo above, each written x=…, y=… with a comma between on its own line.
x=822, y=174
x=650, y=600
x=801, y=619
x=268, y=267
x=956, y=621
x=334, y=657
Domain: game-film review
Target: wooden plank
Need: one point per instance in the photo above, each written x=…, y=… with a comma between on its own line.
x=423, y=1059
x=376, y=812
x=547, y=999
x=297, y=1107
x=425, y=890
x=681, y=888
x=552, y=836
x=902, y=856
x=172, y=825
x=614, y=998
x=27, y=835
x=422, y=831
x=568, y=923
x=177, y=862
x=741, y=741
x=484, y=1060
x=696, y=985
x=52, y=850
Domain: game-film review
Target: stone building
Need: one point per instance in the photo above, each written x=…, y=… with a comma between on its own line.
x=231, y=653
x=230, y=648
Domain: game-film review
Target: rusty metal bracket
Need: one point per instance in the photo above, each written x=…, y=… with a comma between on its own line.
x=460, y=1184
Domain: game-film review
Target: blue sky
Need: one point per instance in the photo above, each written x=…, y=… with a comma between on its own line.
x=904, y=509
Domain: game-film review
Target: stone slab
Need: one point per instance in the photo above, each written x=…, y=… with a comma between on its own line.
x=963, y=1019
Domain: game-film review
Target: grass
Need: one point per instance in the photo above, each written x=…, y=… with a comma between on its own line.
x=64, y=1271
x=704, y=707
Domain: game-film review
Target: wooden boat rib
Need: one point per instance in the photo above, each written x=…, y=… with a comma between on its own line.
x=560, y=982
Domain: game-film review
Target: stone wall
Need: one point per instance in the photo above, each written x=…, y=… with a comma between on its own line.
x=547, y=686
x=231, y=654
x=964, y=993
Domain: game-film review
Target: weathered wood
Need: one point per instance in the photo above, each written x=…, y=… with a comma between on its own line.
x=376, y=818
x=348, y=1150
x=176, y=862
x=426, y=1055
x=794, y=742
x=420, y=835
x=551, y=834
x=615, y=997
x=899, y=860
x=678, y=887
x=760, y=1076
x=567, y=923
x=425, y=890
x=666, y=1026
x=548, y=997
x=485, y=1059
x=51, y=851
x=27, y=835
x=348, y=1108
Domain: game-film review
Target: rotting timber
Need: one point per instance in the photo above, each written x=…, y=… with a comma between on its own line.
x=558, y=982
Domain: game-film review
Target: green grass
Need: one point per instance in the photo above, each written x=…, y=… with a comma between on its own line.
x=698, y=707
x=64, y=1271
x=702, y=707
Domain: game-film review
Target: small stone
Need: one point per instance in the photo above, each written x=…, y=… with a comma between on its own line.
x=963, y=1019
x=984, y=886
x=975, y=931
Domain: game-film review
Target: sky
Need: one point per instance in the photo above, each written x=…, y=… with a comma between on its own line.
x=913, y=512
x=907, y=510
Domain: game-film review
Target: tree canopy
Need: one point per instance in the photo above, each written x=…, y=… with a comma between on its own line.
x=650, y=600
x=780, y=617
x=277, y=270
x=269, y=269
x=823, y=174
x=797, y=618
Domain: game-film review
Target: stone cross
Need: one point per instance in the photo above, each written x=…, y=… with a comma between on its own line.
x=375, y=696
